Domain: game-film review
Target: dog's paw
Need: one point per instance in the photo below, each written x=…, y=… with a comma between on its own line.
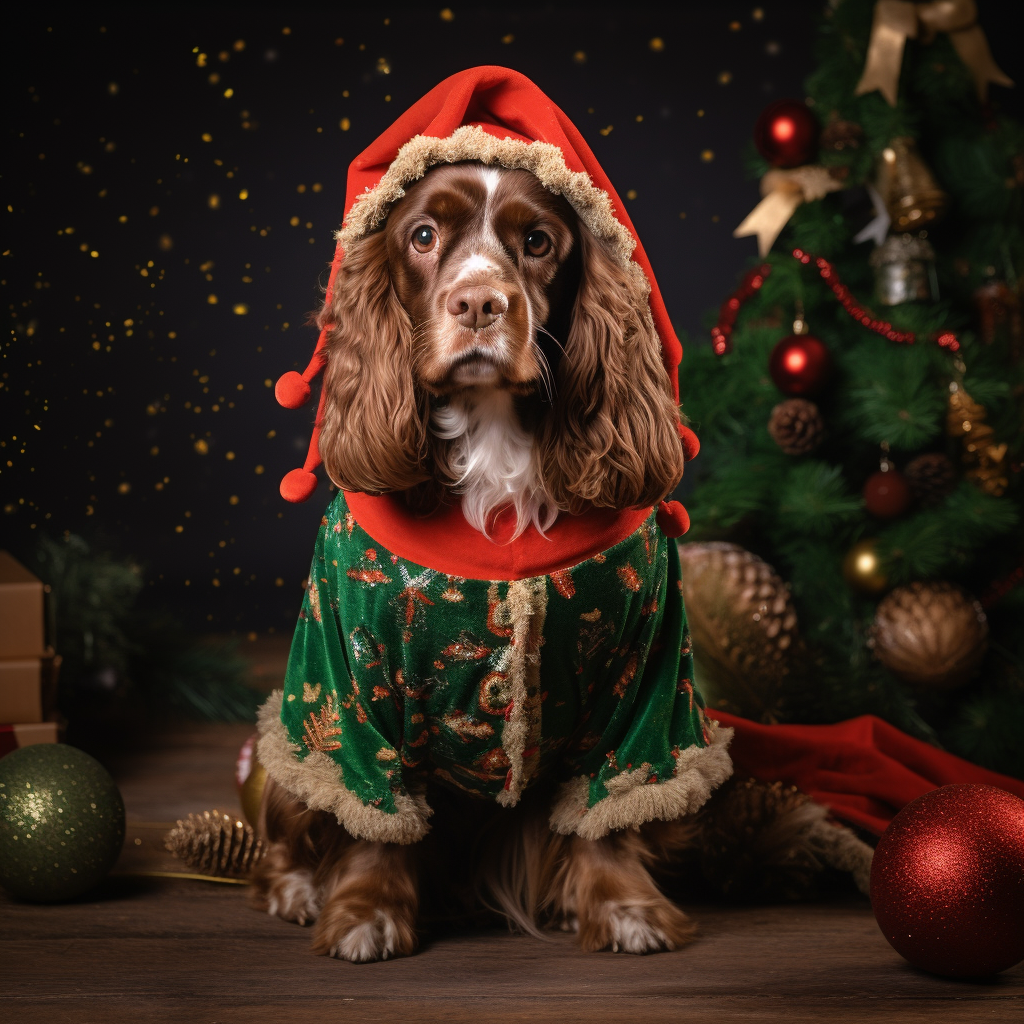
x=636, y=927
x=384, y=935
x=371, y=940
x=293, y=897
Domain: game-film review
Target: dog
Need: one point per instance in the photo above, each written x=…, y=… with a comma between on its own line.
x=485, y=349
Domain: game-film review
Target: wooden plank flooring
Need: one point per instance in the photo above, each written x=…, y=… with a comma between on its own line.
x=154, y=949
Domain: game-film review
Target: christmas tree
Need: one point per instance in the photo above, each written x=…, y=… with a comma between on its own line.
x=857, y=544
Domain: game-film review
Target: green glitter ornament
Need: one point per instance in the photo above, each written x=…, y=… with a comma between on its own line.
x=61, y=822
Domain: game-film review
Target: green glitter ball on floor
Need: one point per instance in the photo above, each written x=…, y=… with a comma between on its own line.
x=61, y=822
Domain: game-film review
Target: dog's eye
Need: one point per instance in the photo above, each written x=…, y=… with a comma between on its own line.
x=537, y=243
x=424, y=238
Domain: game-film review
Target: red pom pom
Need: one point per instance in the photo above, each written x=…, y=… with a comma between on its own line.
x=946, y=881
x=298, y=485
x=291, y=390
x=690, y=443
x=672, y=519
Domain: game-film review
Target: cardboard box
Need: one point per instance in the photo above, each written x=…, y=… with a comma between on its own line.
x=14, y=736
x=21, y=690
x=21, y=612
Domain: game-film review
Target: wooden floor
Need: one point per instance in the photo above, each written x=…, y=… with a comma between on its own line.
x=157, y=949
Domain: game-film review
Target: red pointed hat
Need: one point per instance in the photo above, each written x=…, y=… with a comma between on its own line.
x=497, y=116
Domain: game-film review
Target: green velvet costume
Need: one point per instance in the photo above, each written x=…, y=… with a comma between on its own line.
x=563, y=656
x=400, y=673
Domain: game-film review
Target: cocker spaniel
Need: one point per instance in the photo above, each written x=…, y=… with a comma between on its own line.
x=487, y=349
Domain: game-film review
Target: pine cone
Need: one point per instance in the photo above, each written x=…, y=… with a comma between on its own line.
x=841, y=135
x=743, y=627
x=762, y=842
x=212, y=843
x=796, y=426
x=749, y=842
x=931, y=477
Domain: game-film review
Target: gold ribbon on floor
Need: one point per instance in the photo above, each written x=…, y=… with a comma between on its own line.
x=897, y=20
x=783, y=192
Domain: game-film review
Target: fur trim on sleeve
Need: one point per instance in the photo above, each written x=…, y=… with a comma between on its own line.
x=631, y=802
x=317, y=780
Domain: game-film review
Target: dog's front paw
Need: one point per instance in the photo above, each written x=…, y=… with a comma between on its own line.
x=363, y=935
x=293, y=897
x=641, y=927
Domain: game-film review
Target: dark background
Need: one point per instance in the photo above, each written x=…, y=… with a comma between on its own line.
x=171, y=182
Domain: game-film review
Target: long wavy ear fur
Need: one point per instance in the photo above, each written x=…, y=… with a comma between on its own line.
x=612, y=437
x=373, y=436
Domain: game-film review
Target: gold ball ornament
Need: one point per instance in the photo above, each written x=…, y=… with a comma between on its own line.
x=862, y=569
x=930, y=634
x=251, y=793
x=743, y=627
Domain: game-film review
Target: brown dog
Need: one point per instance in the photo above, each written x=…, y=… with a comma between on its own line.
x=486, y=345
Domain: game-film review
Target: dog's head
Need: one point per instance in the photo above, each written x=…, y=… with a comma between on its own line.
x=483, y=278
x=478, y=258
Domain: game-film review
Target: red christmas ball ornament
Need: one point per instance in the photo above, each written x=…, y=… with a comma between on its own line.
x=947, y=881
x=800, y=364
x=786, y=133
x=887, y=494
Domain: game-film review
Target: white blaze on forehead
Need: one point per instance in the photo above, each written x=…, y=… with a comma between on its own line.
x=490, y=176
x=480, y=263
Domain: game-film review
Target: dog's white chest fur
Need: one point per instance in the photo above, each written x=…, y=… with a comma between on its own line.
x=493, y=459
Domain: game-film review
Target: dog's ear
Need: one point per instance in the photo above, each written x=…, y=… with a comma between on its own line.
x=611, y=438
x=373, y=436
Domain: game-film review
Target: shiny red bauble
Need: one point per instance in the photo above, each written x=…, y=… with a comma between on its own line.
x=800, y=364
x=887, y=494
x=786, y=133
x=947, y=881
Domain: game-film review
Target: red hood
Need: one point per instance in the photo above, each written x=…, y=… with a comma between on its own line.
x=499, y=117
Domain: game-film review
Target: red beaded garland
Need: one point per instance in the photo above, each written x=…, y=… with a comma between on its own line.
x=786, y=133
x=946, y=881
x=944, y=339
x=721, y=333
x=887, y=494
x=800, y=364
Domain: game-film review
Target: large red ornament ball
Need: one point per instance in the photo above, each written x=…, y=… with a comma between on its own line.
x=786, y=133
x=947, y=881
x=800, y=364
x=887, y=494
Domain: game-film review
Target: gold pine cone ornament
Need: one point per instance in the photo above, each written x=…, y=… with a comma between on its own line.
x=743, y=626
x=930, y=634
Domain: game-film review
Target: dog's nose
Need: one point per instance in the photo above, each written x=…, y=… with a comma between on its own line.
x=476, y=306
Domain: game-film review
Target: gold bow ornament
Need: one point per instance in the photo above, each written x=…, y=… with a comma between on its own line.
x=897, y=20
x=783, y=192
